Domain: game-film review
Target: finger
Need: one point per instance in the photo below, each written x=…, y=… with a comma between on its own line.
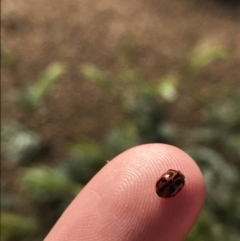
x=120, y=202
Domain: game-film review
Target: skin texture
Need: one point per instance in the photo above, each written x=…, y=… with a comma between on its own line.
x=120, y=202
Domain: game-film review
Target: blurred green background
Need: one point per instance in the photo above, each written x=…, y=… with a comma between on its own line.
x=83, y=81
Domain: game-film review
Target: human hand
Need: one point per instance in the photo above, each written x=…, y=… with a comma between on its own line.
x=120, y=202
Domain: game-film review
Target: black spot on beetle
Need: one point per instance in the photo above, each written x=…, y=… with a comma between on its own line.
x=168, y=189
x=178, y=182
x=171, y=188
x=163, y=179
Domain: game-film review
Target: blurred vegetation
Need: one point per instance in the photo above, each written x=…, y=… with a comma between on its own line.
x=146, y=105
x=15, y=226
x=28, y=99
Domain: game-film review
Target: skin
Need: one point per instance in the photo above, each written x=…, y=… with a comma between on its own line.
x=120, y=202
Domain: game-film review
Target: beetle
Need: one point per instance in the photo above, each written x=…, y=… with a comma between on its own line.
x=170, y=183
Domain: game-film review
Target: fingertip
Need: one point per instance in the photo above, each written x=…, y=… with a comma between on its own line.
x=120, y=202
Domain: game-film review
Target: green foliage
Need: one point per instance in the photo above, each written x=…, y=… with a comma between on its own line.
x=45, y=184
x=84, y=161
x=31, y=98
x=15, y=226
x=121, y=139
x=20, y=145
x=167, y=88
x=226, y=116
x=207, y=228
x=95, y=75
x=203, y=55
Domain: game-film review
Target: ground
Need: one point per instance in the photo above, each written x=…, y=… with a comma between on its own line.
x=37, y=33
